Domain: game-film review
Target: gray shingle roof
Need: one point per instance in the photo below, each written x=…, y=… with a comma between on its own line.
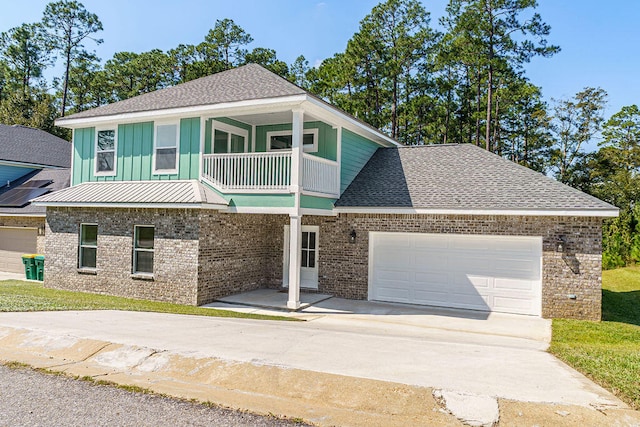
x=60, y=178
x=458, y=177
x=149, y=193
x=248, y=82
x=27, y=145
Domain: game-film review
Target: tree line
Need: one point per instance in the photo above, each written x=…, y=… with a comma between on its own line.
x=462, y=82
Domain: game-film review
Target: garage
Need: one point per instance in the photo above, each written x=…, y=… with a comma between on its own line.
x=14, y=242
x=488, y=273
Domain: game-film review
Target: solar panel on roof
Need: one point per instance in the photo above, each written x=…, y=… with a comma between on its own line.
x=19, y=197
x=36, y=183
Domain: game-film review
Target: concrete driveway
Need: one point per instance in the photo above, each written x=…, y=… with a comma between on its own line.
x=397, y=348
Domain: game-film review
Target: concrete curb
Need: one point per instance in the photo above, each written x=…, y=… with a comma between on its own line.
x=320, y=398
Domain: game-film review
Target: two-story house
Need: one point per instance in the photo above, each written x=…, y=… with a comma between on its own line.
x=242, y=180
x=32, y=163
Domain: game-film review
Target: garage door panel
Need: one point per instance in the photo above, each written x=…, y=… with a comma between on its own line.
x=394, y=294
x=515, y=285
x=512, y=305
x=429, y=261
x=436, y=244
x=468, y=243
x=434, y=281
x=395, y=275
x=14, y=242
x=500, y=273
x=393, y=260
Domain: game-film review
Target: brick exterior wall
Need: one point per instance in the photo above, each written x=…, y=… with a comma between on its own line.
x=238, y=253
x=203, y=255
x=26, y=221
x=343, y=266
x=175, y=258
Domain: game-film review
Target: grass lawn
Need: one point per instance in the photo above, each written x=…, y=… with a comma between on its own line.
x=16, y=295
x=609, y=351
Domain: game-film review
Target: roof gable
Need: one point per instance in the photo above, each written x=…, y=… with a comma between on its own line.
x=249, y=82
x=454, y=177
x=23, y=144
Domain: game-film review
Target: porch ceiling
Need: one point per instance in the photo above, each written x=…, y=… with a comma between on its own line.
x=271, y=118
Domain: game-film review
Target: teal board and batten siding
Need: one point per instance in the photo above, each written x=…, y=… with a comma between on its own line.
x=356, y=152
x=134, y=157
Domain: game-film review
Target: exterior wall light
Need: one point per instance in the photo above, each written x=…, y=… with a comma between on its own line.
x=561, y=244
x=352, y=236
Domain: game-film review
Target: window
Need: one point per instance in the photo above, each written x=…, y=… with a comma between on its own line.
x=229, y=139
x=283, y=140
x=88, y=246
x=143, y=249
x=105, y=152
x=308, y=249
x=166, y=148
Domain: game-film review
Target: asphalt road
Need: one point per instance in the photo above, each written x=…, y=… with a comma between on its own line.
x=30, y=398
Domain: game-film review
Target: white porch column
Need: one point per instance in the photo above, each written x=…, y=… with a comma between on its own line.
x=295, y=246
x=295, y=220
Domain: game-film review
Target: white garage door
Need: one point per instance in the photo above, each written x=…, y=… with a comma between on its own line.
x=491, y=273
x=14, y=242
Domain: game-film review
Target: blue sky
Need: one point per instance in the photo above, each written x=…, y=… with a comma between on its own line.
x=600, y=40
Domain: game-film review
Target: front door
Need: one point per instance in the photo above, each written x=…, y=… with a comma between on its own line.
x=308, y=257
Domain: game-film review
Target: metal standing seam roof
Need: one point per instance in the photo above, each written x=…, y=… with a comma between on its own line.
x=23, y=144
x=133, y=193
x=458, y=177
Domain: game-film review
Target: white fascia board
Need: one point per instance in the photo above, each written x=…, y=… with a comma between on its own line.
x=339, y=117
x=608, y=213
x=131, y=205
x=261, y=210
x=229, y=108
x=318, y=212
x=27, y=165
x=23, y=216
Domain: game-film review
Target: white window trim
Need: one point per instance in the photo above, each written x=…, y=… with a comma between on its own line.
x=229, y=129
x=134, y=261
x=174, y=171
x=115, y=151
x=81, y=246
x=307, y=149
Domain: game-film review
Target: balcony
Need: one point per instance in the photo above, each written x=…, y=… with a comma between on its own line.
x=269, y=172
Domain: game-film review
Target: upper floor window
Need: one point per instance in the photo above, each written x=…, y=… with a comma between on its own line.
x=88, y=248
x=165, y=148
x=229, y=139
x=105, y=152
x=283, y=140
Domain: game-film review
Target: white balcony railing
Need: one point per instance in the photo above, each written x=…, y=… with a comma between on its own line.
x=319, y=175
x=267, y=172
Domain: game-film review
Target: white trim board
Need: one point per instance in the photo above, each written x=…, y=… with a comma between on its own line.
x=509, y=212
x=132, y=205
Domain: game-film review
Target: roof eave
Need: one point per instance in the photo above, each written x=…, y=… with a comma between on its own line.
x=132, y=205
x=606, y=213
x=228, y=107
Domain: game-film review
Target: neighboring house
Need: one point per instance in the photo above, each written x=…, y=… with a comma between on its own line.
x=32, y=163
x=243, y=180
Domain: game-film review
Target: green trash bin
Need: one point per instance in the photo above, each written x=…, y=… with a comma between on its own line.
x=39, y=267
x=29, y=266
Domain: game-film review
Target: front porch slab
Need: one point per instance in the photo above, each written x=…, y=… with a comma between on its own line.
x=271, y=299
